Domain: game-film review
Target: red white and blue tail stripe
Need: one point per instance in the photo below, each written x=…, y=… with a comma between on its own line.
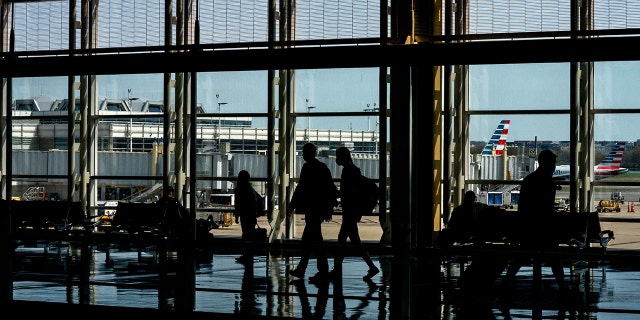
x=610, y=165
x=498, y=141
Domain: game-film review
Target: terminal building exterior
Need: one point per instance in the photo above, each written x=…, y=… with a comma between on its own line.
x=225, y=146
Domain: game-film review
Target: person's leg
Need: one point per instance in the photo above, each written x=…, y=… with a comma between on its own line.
x=558, y=272
x=321, y=255
x=354, y=235
x=512, y=271
x=355, y=239
x=316, y=240
x=338, y=256
x=305, y=254
x=247, y=253
x=385, y=224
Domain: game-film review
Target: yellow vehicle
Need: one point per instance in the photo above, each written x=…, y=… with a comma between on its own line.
x=608, y=206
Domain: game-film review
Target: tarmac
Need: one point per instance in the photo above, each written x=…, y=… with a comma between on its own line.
x=625, y=224
x=369, y=227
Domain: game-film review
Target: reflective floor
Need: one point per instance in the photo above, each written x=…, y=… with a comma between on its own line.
x=130, y=279
x=225, y=287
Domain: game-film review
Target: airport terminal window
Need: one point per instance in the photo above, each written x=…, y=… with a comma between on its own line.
x=504, y=141
x=339, y=108
x=616, y=147
x=131, y=23
x=231, y=22
x=512, y=87
x=32, y=34
x=231, y=135
x=331, y=106
x=39, y=137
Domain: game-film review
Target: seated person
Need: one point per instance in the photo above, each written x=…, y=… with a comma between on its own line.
x=475, y=222
x=176, y=218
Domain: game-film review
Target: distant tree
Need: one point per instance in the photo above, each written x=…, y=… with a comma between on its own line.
x=563, y=157
x=475, y=149
x=599, y=156
x=631, y=158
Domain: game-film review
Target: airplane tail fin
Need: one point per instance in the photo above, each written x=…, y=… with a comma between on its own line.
x=614, y=158
x=498, y=140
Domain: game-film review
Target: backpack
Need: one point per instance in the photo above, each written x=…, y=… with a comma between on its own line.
x=260, y=211
x=367, y=194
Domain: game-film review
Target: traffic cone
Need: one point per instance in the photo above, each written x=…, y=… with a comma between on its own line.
x=633, y=209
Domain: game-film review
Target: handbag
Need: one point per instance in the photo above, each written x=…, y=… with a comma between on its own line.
x=259, y=234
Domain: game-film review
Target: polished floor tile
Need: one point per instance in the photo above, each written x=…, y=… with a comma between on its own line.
x=263, y=288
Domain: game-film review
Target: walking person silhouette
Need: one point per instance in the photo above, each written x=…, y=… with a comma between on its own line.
x=315, y=197
x=352, y=212
x=245, y=214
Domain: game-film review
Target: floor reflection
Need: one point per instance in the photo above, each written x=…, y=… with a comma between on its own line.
x=261, y=287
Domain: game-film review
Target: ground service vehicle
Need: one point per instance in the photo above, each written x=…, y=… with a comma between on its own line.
x=608, y=206
x=617, y=196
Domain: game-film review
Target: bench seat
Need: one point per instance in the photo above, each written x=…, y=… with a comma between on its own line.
x=45, y=217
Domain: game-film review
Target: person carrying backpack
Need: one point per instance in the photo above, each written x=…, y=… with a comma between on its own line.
x=245, y=214
x=315, y=197
x=353, y=208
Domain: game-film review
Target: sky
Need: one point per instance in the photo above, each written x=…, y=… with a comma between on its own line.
x=547, y=87
x=506, y=88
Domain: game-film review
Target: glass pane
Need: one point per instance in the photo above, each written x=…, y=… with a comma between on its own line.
x=40, y=138
x=544, y=86
x=519, y=16
x=337, y=19
x=617, y=86
x=130, y=23
x=233, y=92
x=41, y=25
x=337, y=90
x=233, y=21
x=513, y=143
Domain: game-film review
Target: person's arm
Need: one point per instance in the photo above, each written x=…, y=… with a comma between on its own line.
x=238, y=206
x=294, y=200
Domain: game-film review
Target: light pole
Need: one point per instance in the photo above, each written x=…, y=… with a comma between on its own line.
x=220, y=104
x=367, y=109
x=309, y=119
x=375, y=138
x=130, y=131
x=374, y=109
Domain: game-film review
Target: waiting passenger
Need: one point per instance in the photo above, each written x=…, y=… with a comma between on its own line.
x=536, y=211
x=475, y=222
x=465, y=223
x=177, y=217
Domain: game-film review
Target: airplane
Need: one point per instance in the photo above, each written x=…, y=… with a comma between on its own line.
x=498, y=140
x=610, y=165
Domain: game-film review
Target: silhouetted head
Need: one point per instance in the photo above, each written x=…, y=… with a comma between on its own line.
x=547, y=160
x=343, y=156
x=243, y=177
x=308, y=151
x=170, y=192
x=469, y=197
